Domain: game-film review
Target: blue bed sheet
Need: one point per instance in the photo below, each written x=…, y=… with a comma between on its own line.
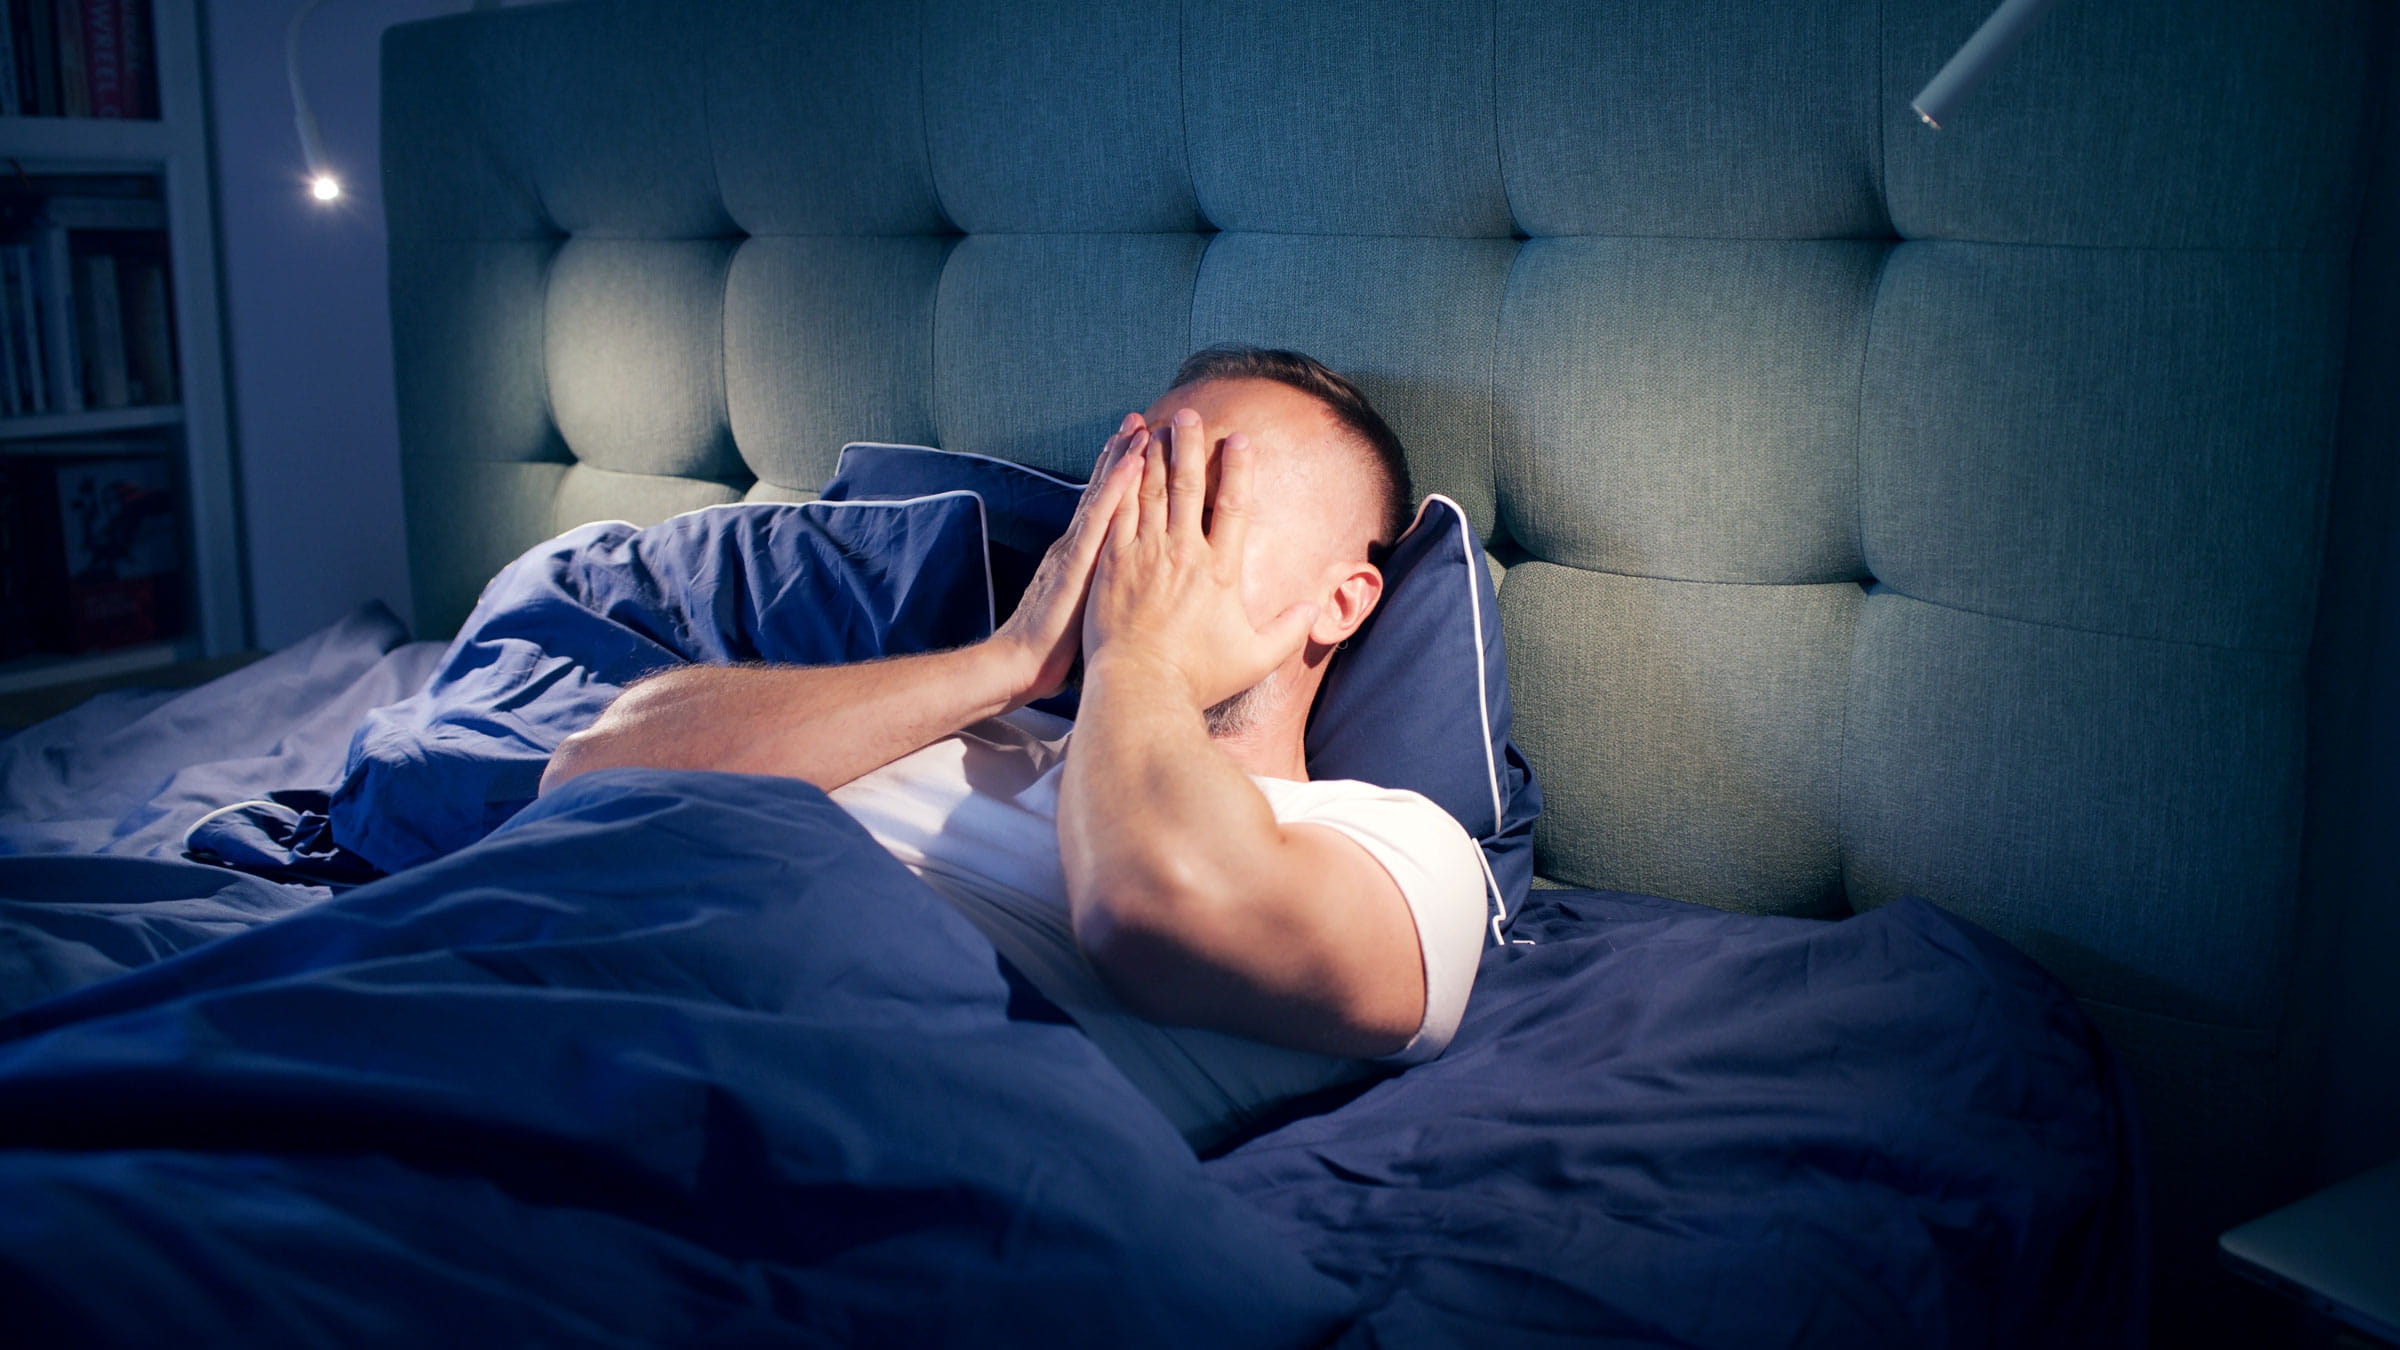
x=678, y=1058
x=129, y=771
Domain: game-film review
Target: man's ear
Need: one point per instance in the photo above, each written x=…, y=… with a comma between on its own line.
x=1357, y=586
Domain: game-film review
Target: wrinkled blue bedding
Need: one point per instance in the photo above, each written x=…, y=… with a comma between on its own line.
x=674, y=1058
x=669, y=1059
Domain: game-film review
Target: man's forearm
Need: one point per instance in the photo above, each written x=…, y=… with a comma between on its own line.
x=824, y=724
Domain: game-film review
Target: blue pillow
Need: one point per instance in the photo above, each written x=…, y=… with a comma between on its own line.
x=1417, y=700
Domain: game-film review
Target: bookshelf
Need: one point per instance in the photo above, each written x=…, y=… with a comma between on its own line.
x=117, y=506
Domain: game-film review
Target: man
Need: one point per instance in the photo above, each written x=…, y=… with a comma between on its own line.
x=1231, y=934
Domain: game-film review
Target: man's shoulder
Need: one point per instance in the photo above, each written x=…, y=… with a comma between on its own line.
x=1328, y=798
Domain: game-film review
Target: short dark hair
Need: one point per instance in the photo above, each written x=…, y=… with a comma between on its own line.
x=1389, y=461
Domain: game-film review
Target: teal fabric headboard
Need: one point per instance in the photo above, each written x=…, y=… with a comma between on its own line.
x=1883, y=511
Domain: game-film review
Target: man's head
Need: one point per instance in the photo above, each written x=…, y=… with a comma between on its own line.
x=1332, y=492
x=1384, y=463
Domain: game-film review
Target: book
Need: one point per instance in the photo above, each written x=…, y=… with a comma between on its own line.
x=141, y=80
x=101, y=322
x=95, y=559
x=54, y=294
x=90, y=554
x=122, y=551
x=41, y=53
x=11, y=86
x=24, y=314
x=104, y=56
x=69, y=321
x=149, y=330
x=74, y=90
x=37, y=360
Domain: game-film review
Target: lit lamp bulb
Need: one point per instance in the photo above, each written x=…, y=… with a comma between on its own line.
x=322, y=185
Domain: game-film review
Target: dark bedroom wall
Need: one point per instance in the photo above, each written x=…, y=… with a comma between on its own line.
x=307, y=325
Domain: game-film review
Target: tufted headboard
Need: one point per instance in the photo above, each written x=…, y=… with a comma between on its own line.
x=1882, y=511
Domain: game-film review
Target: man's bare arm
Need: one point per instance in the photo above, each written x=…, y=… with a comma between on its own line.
x=825, y=724
x=829, y=724
x=1190, y=899
x=1197, y=907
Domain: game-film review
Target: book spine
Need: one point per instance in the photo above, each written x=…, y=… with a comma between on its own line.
x=12, y=88
x=41, y=53
x=103, y=325
x=149, y=341
x=74, y=86
x=23, y=314
x=104, y=57
x=54, y=281
x=141, y=77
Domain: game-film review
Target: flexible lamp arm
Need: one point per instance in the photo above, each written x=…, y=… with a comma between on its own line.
x=1991, y=44
x=322, y=183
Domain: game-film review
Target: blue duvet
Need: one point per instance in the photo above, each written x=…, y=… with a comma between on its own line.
x=670, y=1059
x=679, y=1058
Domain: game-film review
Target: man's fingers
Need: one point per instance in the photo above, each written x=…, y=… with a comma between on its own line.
x=1111, y=452
x=1153, y=495
x=1187, y=486
x=1125, y=516
x=1229, y=515
x=1114, y=484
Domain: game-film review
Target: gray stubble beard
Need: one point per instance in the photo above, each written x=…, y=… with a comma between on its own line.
x=1234, y=715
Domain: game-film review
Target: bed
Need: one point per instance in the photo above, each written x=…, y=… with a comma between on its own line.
x=1911, y=551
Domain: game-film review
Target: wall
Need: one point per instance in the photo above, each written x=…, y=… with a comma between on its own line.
x=307, y=325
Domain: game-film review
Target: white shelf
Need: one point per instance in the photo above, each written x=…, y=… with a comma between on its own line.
x=174, y=149
x=36, y=426
x=89, y=144
x=34, y=672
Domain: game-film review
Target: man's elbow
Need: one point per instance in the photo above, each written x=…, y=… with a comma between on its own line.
x=575, y=756
x=1165, y=942
x=1140, y=938
x=616, y=738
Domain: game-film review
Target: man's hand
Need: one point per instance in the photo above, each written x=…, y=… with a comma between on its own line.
x=1167, y=591
x=1042, y=636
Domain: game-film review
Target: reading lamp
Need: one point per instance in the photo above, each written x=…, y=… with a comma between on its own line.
x=322, y=184
x=1991, y=44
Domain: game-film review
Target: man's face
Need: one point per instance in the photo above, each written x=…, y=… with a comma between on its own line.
x=1312, y=512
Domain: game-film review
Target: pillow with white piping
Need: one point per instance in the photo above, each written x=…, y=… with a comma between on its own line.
x=1418, y=699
